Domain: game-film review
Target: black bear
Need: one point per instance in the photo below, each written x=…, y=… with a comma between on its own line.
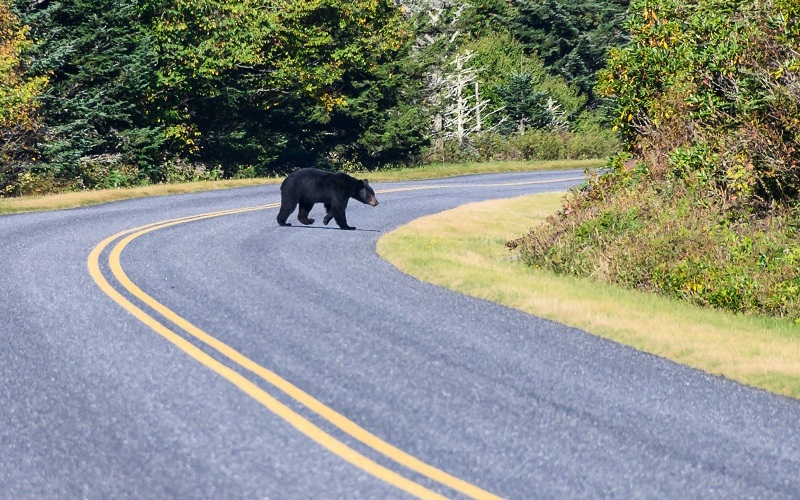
x=310, y=185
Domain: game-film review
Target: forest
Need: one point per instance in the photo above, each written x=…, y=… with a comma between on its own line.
x=696, y=105
x=101, y=94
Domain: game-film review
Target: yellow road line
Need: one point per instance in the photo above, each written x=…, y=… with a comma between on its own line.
x=290, y=416
x=300, y=423
x=340, y=421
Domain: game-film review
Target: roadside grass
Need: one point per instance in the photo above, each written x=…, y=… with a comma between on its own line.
x=86, y=198
x=464, y=250
x=442, y=170
x=433, y=171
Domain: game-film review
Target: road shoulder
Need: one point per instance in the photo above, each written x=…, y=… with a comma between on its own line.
x=464, y=250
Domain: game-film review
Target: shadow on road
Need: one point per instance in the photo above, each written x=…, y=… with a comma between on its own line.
x=299, y=226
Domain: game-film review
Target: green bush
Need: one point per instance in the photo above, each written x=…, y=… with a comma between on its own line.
x=719, y=74
x=590, y=144
x=540, y=145
x=533, y=145
x=179, y=170
x=497, y=147
x=703, y=205
x=30, y=183
x=245, y=172
x=109, y=172
x=678, y=245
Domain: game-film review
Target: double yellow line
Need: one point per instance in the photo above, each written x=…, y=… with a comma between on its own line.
x=250, y=388
x=303, y=425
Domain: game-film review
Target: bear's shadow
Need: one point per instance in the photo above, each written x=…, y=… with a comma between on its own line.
x=301, y=226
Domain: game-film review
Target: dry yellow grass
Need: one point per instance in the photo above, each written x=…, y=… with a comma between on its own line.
x=433, y=171
x=84, y=198
x=441, y=170
x=464, y=250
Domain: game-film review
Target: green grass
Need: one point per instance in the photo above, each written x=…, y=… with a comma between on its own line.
x=464, y=250
x=434, y=171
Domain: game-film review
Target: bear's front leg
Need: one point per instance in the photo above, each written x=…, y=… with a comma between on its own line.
x=341, y=220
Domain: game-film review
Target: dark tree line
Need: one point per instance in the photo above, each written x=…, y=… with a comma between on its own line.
x=144, y=91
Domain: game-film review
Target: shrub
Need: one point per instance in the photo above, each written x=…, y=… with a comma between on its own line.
x=675, y=240
x=590, y=144
x=533, y=145
x=719, y=73
x=179, y=170
x=496, y=147
x=245, y=172
x=108, y=172
x=703, y=205
x=540, y=145
x=20, y=125
x=30, y=183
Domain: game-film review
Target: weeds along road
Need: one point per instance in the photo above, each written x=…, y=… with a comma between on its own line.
x=149, y=351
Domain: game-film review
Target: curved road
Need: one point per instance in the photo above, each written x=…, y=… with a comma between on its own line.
x=228, y=357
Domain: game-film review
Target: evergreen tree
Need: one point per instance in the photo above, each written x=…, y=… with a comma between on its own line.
x=526, y=102
x=522, y=84
x=571, y=36
x=100, y=66
x=383, y=122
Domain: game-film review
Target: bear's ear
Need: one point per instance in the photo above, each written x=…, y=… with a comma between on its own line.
x=366, y=183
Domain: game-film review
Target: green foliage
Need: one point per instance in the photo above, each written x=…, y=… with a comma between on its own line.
x=19, y=101
x=571, y=36
x=99, y=64
x=519, y=87
x=517, y=91
x=17, y=93
x=482, y=17
x=703, y=206
x=104, y=94
x=525, y=102
x=108, y=172
x=182, y=171
x=718, y=73
x=243, y=85
x=533, y=145
x=678, y=245
x=309, y=82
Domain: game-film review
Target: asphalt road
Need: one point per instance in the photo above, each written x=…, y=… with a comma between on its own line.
x=228, y=357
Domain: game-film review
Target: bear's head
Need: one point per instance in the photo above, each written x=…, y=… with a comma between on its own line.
x=367, y=195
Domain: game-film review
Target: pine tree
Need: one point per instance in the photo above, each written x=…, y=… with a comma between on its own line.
x=526, y=102
x=101, y=67
x=572, y=36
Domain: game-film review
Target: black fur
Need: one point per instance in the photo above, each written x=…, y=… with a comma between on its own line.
x=308, y=186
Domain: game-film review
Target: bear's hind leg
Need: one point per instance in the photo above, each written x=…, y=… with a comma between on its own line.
x=302, y=216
